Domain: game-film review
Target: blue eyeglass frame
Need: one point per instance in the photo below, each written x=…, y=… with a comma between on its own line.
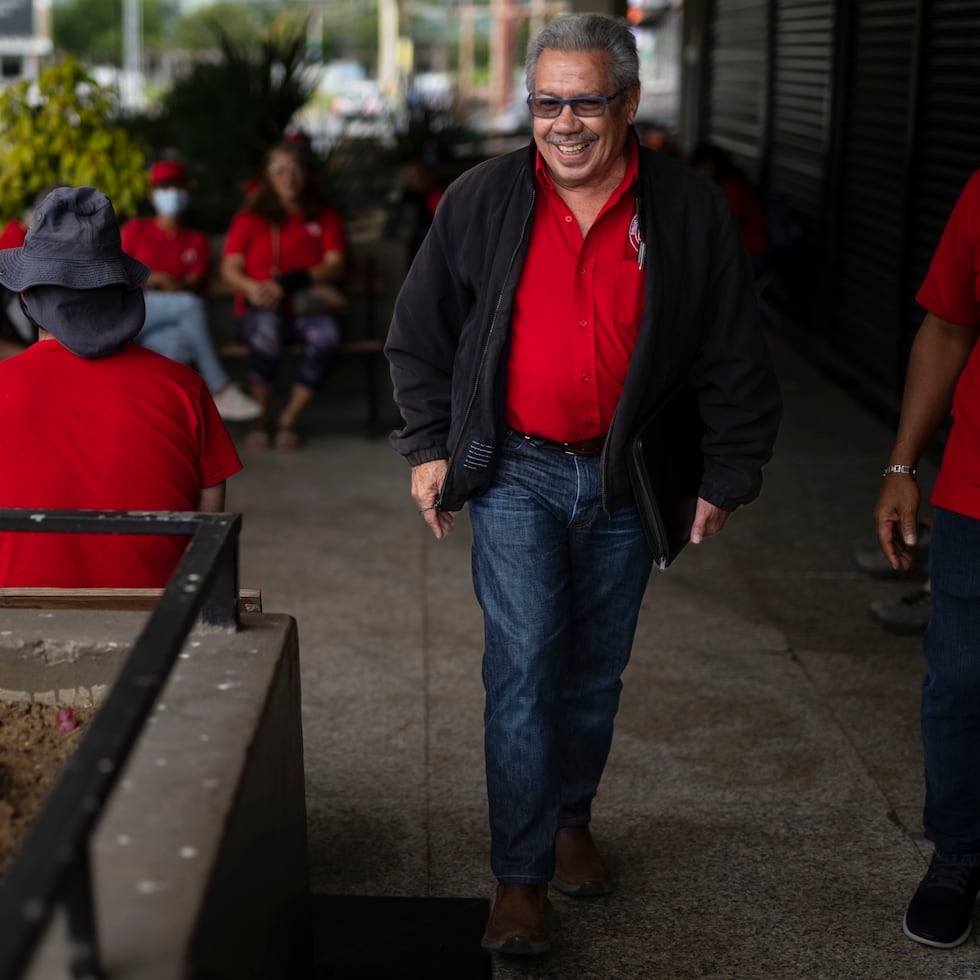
x=604, y=99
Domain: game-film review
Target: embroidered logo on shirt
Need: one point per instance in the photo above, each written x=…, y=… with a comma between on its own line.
x=313, y=228
x=634, y=234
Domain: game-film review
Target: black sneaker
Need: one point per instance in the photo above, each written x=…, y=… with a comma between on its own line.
x=872, y=561
x=941, y=911
x=907, y=615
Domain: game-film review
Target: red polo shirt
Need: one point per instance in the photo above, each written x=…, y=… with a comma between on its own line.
x=182, y=252
x=297, y=243
x=576, y=315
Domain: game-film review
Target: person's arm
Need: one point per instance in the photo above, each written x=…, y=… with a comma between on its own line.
x=939, y=354
x=163, y=282
x=331, y=268
x=194, y=282
x=264, y=295
x=327, y=274
x=213, y=498
x=423, y=339
x=739, y=396
x=196, y=275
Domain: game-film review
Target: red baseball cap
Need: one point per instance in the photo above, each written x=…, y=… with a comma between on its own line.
x=167, y=170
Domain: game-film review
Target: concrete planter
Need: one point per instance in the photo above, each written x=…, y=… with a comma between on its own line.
x=199, y=861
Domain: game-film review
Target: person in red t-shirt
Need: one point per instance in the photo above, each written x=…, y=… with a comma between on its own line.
x=14, y=340
x=750, y=212
x=91, y=421
x=284, y=255
x=176, y=325
x=943, y=374
x=415, y=206
x=14, y=232
x=13, y=237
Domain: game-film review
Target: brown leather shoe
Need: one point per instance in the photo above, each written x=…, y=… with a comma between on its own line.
x=516, y=924
x=579, y=868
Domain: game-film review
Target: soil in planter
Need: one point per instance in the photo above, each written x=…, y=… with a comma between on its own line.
x=32, y=752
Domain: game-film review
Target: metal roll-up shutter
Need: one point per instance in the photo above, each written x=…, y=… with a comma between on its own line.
x=738, y=51
x=947, y=140
x=801, y=86
x=872, y=193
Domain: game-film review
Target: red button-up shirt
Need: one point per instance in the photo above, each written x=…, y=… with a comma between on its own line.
x=576, y=315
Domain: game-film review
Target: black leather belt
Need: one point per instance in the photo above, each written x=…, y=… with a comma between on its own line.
x=584, y=447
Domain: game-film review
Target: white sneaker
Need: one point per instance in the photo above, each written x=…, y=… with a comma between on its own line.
x=235, y=406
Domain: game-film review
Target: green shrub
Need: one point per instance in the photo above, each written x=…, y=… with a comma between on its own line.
x=64, y=129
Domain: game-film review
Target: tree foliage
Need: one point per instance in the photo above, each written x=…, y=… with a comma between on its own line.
x=240, y=22
x=63, y=129
x=92, y=29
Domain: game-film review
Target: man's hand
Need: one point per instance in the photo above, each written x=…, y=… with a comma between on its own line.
x=427, y=480
x=163, y=281
x=708, y=520
x=897, y=519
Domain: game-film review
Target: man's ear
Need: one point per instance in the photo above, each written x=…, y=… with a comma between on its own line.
x=633, y=104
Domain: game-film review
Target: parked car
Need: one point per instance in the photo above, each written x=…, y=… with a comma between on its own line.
x=349, y=91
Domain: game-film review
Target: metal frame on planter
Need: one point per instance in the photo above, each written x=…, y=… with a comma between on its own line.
x=53, y=866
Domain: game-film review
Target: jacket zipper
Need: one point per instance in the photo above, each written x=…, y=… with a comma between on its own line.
x=486, y=343
x=641, y=262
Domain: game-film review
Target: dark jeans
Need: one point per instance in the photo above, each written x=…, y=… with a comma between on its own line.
x=268, y=333
x=951, y=690
x=560, y=584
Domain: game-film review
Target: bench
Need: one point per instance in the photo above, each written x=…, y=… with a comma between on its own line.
x=378, y=268
x=132, y=600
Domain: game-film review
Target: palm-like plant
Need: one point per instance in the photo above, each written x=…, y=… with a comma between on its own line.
x=223, y=115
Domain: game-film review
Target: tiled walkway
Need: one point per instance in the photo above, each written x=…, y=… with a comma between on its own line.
x=761, y=807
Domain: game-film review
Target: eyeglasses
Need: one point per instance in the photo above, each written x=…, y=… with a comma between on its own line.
x=583, y=106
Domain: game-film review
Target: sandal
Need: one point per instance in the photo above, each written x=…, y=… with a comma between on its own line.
x=257, y=439
x=287, y=437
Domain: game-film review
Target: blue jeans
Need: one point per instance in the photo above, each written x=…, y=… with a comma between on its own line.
x=560, y=584
x=176, y=327
x=950, y=714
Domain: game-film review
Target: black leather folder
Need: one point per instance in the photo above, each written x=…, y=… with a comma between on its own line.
x=666, y=464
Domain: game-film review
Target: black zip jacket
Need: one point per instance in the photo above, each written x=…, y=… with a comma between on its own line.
x=448, y=339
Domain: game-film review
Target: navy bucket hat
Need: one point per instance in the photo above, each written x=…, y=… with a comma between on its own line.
x=80, y=285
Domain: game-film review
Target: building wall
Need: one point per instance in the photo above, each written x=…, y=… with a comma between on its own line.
x=861, y=114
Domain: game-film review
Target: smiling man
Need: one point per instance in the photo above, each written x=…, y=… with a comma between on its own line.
x=561, y=292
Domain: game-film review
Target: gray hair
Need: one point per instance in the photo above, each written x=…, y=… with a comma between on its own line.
x=588, y=32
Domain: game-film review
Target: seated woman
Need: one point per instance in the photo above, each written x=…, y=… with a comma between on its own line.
x=176, y=325
x=20, y=332
x=284, y=253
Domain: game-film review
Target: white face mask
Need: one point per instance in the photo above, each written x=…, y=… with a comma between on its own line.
x=170, y=201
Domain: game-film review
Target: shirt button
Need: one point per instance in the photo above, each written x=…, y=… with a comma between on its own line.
x=583, y=323
x=583, y=271
x=568, y=218
x=585, y=377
